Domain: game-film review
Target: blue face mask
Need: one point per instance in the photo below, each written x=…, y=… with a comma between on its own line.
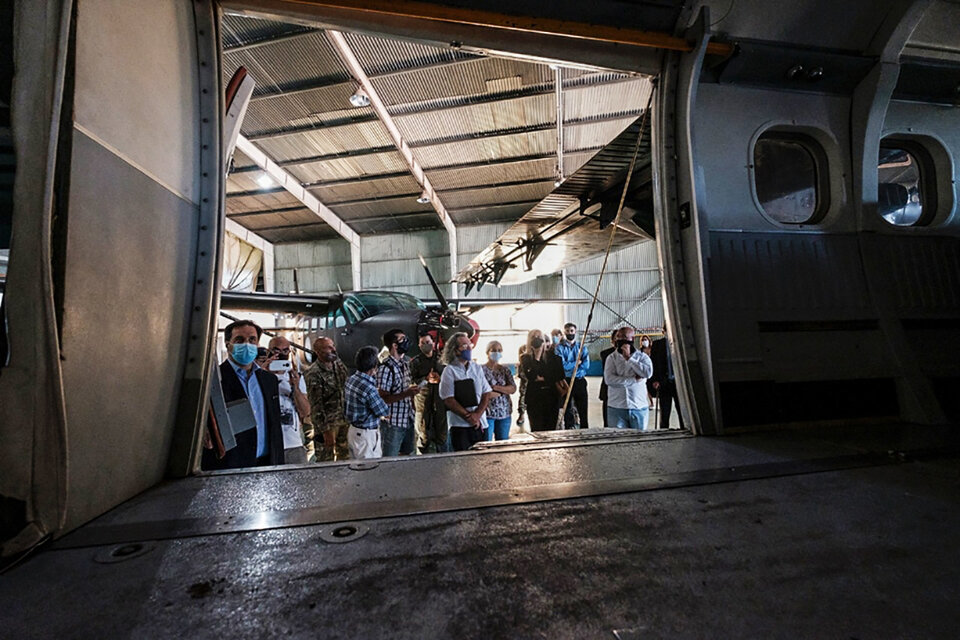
x=244, y=354
x=496, y=355
x=556, y=339
x=465, y=354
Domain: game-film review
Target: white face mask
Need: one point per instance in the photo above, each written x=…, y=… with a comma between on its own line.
x=644, y=343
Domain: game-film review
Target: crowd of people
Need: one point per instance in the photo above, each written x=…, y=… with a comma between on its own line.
x=435, y=402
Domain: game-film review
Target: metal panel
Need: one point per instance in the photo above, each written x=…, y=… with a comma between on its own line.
x=382, y=187
x=122, y=422
x=494, y=194
x=166, y=150
x=492, y=116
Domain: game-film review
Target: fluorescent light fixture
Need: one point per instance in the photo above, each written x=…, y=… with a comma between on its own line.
x=265, y=181
x=424, y=198
x=360, y=98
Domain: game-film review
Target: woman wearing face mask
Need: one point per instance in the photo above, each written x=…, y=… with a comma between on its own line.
x=501, y=381
x=542, y=371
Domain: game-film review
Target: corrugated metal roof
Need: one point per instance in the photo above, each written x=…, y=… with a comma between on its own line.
x=466, y=78
x=354, y=191
x=349, y=167
x=494, y=194
x=288, y=63
x=385, y=55
x=495, y=108
x=243, y=30
x=323, y=141
x=489, y=148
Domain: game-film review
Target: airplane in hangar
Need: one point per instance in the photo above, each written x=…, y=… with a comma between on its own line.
x=802, y=170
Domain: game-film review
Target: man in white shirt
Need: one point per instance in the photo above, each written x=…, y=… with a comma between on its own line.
x=625, y=372
x=294, y=405
x=466, y=417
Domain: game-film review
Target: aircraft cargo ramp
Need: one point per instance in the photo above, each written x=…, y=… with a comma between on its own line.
x=809, y=533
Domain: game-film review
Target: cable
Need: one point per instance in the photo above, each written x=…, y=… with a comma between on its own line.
x=606, y=257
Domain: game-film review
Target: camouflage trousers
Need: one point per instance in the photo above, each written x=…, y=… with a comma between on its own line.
x=340, y=451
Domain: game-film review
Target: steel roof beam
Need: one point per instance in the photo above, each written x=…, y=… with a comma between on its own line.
x=558, y=86
x=356, y=69
x=285, y=179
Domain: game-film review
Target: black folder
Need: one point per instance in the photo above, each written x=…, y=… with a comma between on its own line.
x=465, y=393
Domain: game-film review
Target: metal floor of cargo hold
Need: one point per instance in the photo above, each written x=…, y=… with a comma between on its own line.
x=806, y=533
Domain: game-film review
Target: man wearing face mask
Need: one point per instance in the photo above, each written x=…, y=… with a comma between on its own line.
x=430, y=420
x=465, y=392
x=567, y=350
x=242, y=379
x=326, y=380
x=614, y=336
x=393, y=381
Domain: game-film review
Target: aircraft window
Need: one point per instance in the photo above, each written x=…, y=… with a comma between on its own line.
x=335, y=318
x=376, y=303
x=900, y=194
x=355, y=311
x=788, y=178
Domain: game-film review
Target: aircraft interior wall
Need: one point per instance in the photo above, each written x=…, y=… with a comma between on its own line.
x=841, y=316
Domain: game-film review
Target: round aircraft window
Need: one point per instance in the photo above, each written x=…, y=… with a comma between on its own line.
x=789, y=177
x=904, y=192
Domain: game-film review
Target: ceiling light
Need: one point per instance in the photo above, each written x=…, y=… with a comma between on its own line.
x=424, y=198
x=360, y=98
x=265, y=181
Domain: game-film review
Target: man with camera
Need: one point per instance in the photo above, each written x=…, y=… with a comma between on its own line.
x=294, y=406
x=625, y=372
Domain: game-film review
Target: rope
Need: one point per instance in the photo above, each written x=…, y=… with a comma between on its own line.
x=606, y=257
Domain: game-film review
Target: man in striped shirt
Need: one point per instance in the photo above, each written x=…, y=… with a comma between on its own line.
x=363, y=407
x=393, y=380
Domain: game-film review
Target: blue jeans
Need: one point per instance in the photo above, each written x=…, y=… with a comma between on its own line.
x=627, y=418
x=397, y=440
x=499, y=427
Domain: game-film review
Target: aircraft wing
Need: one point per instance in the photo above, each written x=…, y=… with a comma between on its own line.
x=469, y=305
x=274, y=303
x=567, y=226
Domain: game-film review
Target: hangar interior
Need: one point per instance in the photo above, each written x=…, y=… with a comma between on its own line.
x=832, y=528
x=459, y=148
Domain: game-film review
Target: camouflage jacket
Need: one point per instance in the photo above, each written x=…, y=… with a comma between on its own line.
x=325, y=392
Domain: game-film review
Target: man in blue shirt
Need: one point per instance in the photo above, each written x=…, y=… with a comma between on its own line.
x=241, y=379
x=567, y=351
x=363, y=407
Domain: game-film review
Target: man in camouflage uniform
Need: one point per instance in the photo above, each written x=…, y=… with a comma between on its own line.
x=325, y=382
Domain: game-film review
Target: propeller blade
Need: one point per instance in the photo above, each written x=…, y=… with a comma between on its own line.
x=436, y=287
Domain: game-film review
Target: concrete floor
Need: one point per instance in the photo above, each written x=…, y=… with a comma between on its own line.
x=736, y=540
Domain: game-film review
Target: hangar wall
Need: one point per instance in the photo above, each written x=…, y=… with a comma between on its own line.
x=390, y=261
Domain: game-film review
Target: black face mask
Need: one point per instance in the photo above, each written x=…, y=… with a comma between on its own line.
x=403, y=346
x=620, y=344
x=571, y=337
x=536, y=343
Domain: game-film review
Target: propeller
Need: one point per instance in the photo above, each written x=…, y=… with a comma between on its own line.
x=448, y=316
